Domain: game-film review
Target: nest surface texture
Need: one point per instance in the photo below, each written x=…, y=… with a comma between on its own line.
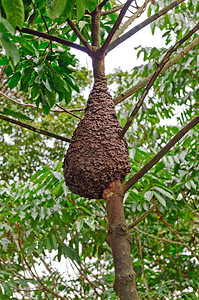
x=96, y=155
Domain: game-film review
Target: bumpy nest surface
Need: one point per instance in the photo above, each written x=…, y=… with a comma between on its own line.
x=96, y=155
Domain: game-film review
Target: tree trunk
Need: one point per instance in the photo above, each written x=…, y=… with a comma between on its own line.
x=120, y=241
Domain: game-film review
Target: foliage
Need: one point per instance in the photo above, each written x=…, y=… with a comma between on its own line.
x=41, y=221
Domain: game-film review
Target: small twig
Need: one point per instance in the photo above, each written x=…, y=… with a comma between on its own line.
x=160, y=154
x=37, y=130
x=68, y=111
x=142, y=264
x=143, y=216
x=190, y=14
x=154, y=77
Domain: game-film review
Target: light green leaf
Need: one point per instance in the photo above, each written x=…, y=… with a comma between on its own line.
x=10, y=48
x=56, y=8
x=162, y=191
x=148, y=195
x=159, y=198
x=14, y=10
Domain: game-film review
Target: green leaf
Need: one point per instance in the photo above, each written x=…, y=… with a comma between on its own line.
x=159, y=198
x=80, y=9
x=14, y=10
x=55, y=8
x=15, y=114
x=10, y=48
x=14, y=80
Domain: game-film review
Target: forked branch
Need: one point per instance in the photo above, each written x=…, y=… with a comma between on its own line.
x=155, y=75
x=160, y=154
x=40, y=131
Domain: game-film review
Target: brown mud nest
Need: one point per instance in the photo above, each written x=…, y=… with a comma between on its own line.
x=96, y=155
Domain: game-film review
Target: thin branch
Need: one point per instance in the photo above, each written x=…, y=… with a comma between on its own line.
x=67, y=111
x=37, y=130
x=143, y=24
x=115, y=26
x=160, y=154
x=142, y=264
x=113, y=10
x=129, y=21
x=157, y=238
x=79, y=35
x=154, y=77
x=35, y=107
x=54, y=39
x=146, y=80
x=143, y=216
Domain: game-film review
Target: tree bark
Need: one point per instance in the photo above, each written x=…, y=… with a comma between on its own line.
x=120, y=241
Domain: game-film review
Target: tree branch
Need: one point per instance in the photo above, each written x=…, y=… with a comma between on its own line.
x=160, y=154
x=153, y=78
x=37, y=130
x=143, y=216
x=67, y=111
x=146, y=80
x=143, y=24
x=115, y=26
x=54, y=39
x=79, y=35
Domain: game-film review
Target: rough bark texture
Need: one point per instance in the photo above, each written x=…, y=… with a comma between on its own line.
x=96, y=155
x=120, y=241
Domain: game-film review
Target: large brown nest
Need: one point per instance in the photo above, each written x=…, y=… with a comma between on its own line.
x=96, y=155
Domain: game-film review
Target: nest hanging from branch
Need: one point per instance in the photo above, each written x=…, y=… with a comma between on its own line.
x=96, y=155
